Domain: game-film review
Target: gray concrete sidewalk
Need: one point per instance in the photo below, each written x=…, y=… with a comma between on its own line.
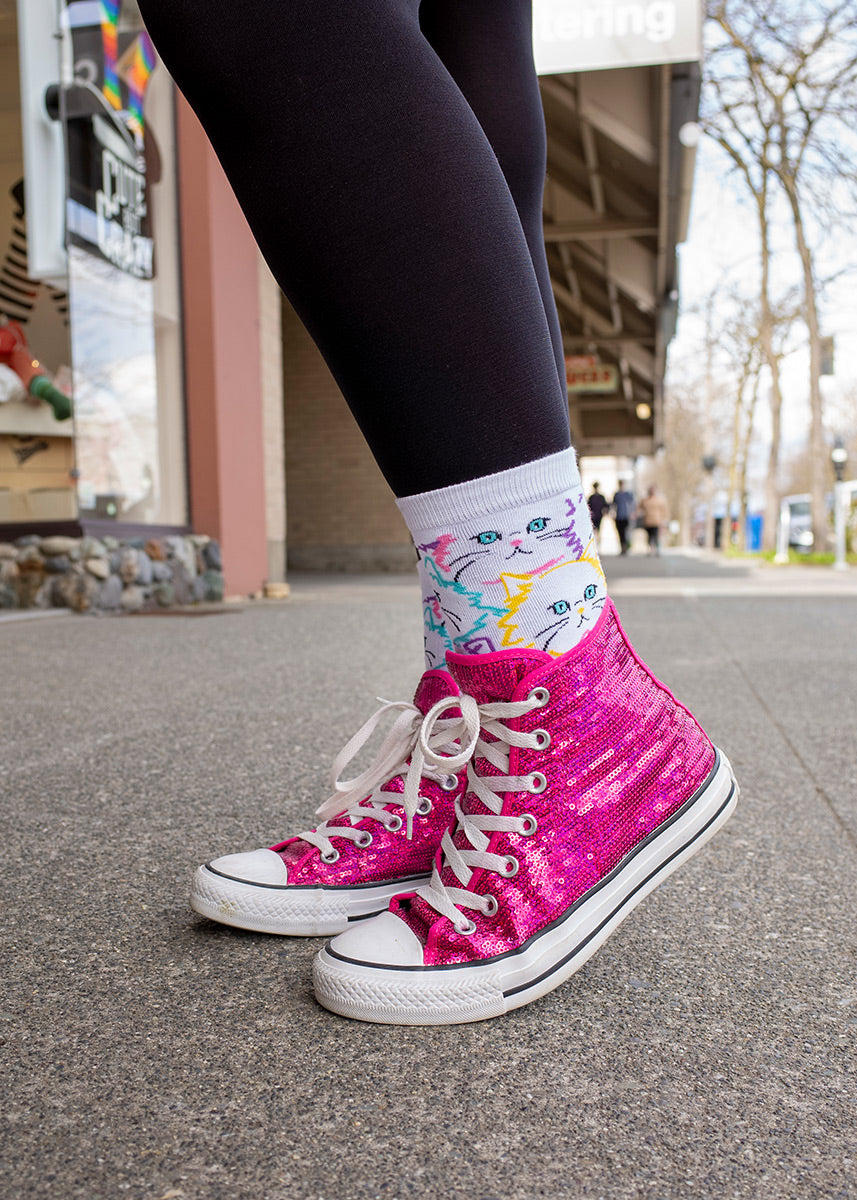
x=707, y=1051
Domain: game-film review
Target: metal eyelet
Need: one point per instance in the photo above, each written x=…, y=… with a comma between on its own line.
x=364, y=839
x=510, y=866
x=530, y=825
x=538, y=783
x=543, y=738
x=424, y=807
x=393, y=823
x=540, y=696
x=449, y=783
x=466, y=930
x=490, y=907
x=330, y=858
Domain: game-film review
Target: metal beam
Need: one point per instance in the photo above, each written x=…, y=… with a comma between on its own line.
x=638, y=359
x=606, y=123
x=609, y=339
x=568, y=171
x=587, y=231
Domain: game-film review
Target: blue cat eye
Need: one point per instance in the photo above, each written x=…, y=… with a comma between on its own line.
x=561, y=606
x=486, y=538
x=590, y=591
x=538, y=524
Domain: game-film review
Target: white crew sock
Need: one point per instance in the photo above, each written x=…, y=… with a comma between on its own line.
x=507, y=561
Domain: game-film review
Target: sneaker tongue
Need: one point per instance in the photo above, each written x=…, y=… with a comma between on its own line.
x=434, y=686
x=492, y=677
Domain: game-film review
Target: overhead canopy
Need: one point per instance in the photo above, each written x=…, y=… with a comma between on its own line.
x=617, y=199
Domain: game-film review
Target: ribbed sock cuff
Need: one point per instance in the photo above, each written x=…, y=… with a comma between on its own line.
x=527, y=484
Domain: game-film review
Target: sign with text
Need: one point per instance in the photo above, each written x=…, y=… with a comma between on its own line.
x=587, y=35
x=601, y=378
x=111, y=265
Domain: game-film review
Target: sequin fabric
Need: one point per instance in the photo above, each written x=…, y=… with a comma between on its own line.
x=390, y=856
x=623, y=756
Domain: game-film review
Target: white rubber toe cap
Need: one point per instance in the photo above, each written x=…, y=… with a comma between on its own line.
x=253, y=866
x=384, y=940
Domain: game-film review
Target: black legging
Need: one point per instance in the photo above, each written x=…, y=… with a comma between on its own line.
x=389, y=156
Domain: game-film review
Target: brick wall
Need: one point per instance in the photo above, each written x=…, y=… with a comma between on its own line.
x=341, y=515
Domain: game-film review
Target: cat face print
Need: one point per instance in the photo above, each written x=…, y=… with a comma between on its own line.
x=452, y=624
x=551, y=611
x=522, y=547
x=574, y=600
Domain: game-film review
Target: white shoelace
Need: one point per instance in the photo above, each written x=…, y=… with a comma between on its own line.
x=416, y=747
x=477, y=827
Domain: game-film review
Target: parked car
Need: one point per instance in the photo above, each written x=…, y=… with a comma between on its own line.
x=800, y=521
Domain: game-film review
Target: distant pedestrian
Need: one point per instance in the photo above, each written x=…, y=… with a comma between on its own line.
x=654, y=513
x=598, y=506
x=623, y=514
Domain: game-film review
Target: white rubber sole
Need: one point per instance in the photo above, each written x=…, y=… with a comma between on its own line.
x=455, y=995
x=294, y=911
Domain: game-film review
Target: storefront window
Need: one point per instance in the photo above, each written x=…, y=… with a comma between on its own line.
x=123, y=270
x=105, y=324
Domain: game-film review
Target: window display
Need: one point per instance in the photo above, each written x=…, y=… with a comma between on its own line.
x=106, y=335
x=122, y=269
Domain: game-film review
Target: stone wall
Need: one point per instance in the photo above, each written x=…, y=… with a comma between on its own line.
x=108, y=575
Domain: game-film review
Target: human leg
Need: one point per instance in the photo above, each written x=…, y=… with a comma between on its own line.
x=502, y=423
x=381, y=208
x=416, y=184
x=488, y=50
x=622, y=530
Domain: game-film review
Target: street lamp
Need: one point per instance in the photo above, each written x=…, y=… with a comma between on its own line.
x=839, y=457
x=709, y=465
x=841, y=497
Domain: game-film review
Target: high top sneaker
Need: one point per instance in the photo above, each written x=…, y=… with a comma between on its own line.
x=589, y=784
x=382, y=831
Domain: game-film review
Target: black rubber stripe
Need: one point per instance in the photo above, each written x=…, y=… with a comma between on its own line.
x=366, y=916
x=656, y=833
x=546, y=974
x=319, y=887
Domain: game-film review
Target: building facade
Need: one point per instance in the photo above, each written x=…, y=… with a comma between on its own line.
x=172, y=391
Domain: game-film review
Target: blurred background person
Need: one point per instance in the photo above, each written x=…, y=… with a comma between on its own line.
x=654, y=513
x=623, y=513
x=598, y=506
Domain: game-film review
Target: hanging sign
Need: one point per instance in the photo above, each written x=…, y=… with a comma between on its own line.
x=601, y=378
x=585, y=35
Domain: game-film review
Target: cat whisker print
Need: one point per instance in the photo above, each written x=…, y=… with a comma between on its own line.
x=540, y=642
x=467, y=560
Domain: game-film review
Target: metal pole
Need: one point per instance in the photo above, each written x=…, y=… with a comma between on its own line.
x=842, y=492
x=782, y=554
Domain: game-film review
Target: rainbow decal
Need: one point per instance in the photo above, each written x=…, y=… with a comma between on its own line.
x=137, y=73
x=109, y=39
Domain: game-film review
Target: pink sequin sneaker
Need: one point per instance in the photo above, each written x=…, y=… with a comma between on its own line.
x=589, y=784
x=380, y=836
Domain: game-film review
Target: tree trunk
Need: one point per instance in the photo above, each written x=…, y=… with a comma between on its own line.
x=766, y=336
x=817, y=448
x=748, y=438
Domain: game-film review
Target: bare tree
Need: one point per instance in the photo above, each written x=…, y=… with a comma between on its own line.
x=747, y=354
x=782, y=85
